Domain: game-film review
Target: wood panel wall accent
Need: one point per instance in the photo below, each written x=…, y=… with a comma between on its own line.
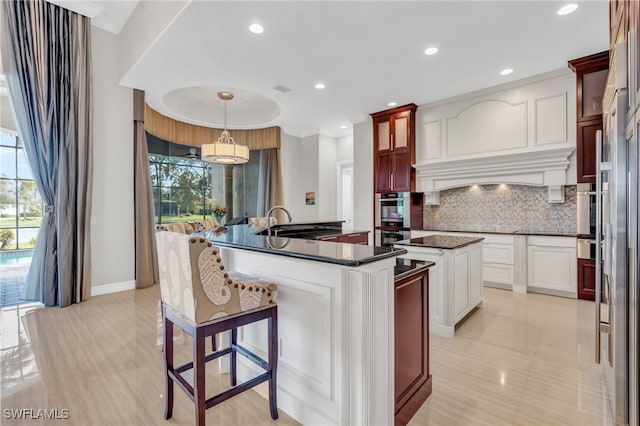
x=192, y=135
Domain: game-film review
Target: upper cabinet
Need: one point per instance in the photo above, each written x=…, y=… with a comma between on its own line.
x=394, y=149
x=591, y=79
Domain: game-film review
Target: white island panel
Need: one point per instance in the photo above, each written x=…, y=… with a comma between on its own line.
x=335, y=325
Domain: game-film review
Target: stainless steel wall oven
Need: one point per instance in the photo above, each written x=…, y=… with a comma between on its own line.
x=395, y=214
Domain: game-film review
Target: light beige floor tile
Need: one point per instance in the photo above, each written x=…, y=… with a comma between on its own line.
x=523, y=359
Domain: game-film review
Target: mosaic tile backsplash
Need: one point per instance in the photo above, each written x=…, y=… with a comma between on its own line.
x=502, y=208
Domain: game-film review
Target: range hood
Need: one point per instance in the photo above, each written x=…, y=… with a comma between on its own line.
x=546, y=167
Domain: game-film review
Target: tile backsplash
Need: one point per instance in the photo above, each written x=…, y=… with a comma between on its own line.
x=502, y=207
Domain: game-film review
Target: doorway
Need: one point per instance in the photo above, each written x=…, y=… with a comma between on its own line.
x=344, y=193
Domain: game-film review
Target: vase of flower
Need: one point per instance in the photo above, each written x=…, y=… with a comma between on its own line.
x=219, y=213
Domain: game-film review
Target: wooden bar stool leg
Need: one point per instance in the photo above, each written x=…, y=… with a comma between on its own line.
x=199, y=395
x=167, y=346
x=273, y=361
x=214, y=347
x=234, y=357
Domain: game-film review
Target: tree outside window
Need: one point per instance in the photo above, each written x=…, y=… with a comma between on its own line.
x=20, y=202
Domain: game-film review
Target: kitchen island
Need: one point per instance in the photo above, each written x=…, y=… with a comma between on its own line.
x=336, y=324
x=455, y=282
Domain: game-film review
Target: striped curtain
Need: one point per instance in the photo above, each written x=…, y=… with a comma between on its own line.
x=46, y=57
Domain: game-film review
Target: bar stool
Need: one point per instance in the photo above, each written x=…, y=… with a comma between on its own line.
x=203, y=299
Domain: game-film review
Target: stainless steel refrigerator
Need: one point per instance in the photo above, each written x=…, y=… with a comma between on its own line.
x=616, y=325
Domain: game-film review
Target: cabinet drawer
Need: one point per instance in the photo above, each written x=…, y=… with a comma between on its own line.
x=355, y=238
x=497, y=273
x=498, y=253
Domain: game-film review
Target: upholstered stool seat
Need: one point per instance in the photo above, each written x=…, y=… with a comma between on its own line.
x=179, y=227
x=203, y=299
x=206, y=225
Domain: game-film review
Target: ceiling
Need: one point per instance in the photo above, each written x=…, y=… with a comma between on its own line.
x=366, y=53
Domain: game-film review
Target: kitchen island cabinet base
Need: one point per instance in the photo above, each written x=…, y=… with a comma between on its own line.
x=336, y=363
x=413, y=383
x=455, y=283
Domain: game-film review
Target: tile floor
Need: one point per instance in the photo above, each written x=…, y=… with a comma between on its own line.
x=521, y=360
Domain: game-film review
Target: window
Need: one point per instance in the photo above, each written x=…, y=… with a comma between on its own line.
x=186, y=188
x=20, y=203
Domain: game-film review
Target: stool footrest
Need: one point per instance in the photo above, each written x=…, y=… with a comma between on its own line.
x=182, y=382
x=252, y=357
x=223, y=396
x=188, y=365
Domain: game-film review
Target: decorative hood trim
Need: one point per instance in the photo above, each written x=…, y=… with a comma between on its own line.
x=539, y=168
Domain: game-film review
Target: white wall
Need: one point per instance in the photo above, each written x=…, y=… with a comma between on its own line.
x=344, y=148
x=7, y=120
x=112, y=230
x=290, y=152
x=326, y=196
x=147, y=22
x=363, y=176
x=309, y=165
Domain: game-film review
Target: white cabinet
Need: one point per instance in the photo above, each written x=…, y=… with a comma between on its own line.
x=498, y=256
x=455, y=283
x=552, y=265
x=498, y=260
x=544, y=264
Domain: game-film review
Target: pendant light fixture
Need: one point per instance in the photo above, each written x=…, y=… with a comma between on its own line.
x=225, y=150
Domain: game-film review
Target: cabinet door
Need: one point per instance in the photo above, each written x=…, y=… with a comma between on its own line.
x=461, y=296
x=383, y=172
x=401, y=169
x=590, y=94
x=586, y=150
x=383, y=135
x=586, y=279
x=411, y=337
x=401, y=132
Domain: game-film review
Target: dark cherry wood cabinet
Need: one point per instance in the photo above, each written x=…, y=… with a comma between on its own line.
x=412, y=376
x=586, y=150
x=586, y=279
x=591, y=77
x=359, y=238
x=394, y=149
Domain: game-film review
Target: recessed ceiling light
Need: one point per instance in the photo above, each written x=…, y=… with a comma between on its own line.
x=567, y=9
x=344, y=126
x=392, y=104
x=256, y=28
x=320, y=86
x=431, y=51
x=506, y=71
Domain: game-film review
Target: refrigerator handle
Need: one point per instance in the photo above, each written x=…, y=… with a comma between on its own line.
x=598, y=289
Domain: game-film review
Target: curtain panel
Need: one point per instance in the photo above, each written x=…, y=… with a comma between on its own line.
x=270, y=192
x=46, y=57
x=192, y=135
x=145, y=241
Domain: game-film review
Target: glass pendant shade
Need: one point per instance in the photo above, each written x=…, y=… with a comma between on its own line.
x=225, y=150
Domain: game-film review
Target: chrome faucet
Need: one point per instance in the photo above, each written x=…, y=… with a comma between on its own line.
x=269, y=216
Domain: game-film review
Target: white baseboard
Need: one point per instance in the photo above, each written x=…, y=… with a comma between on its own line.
x=113, y=288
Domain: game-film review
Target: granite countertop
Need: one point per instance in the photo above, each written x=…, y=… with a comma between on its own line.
x=447, y=242
x=407, y=267
x=243, y=237
x=541, y=232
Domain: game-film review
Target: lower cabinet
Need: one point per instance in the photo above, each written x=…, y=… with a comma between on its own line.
x=544, y=264
x=412, y=376
x=552, y=265
x=455, y=284
x=586, y=279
